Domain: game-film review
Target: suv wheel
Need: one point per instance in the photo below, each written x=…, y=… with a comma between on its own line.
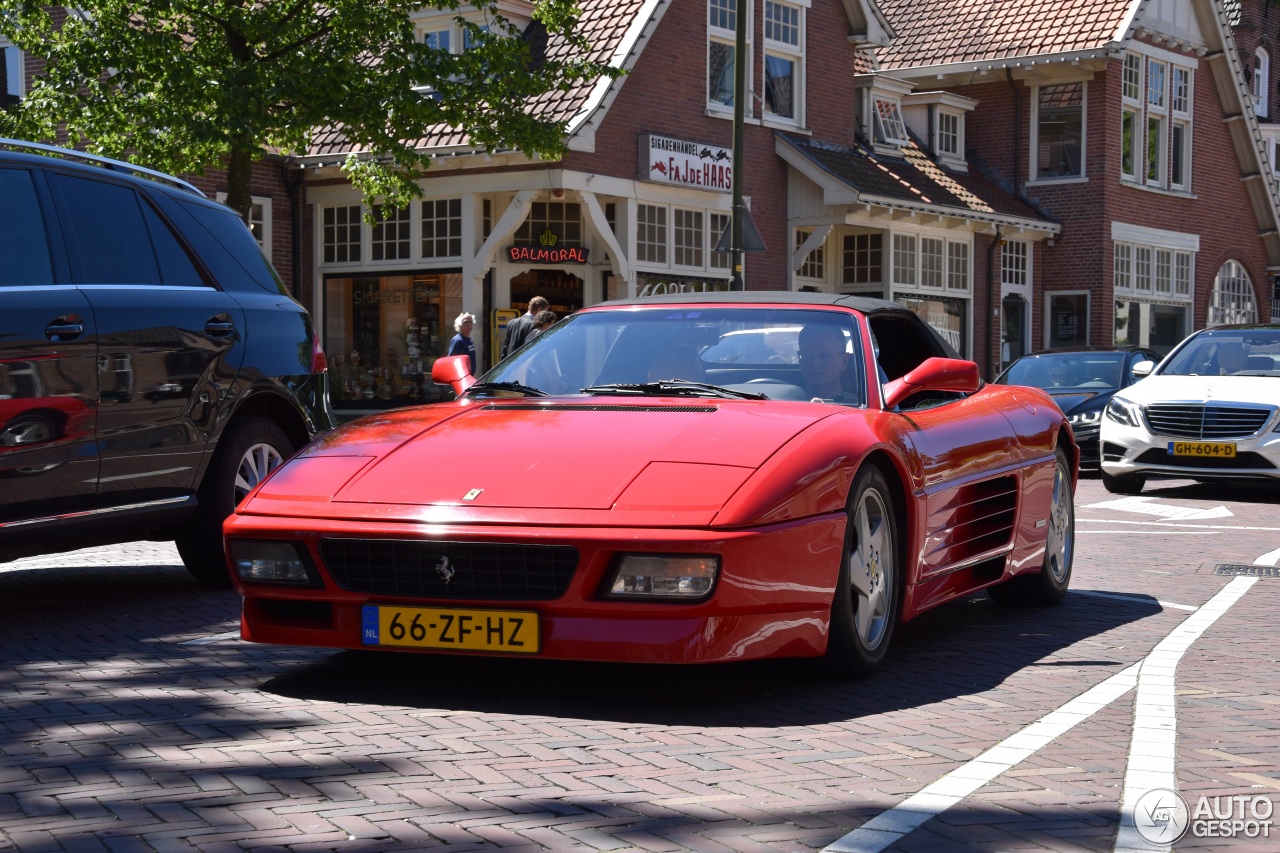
x=248, y=451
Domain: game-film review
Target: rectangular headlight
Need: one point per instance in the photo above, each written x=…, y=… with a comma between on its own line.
x=674, y=578
x=270, y=561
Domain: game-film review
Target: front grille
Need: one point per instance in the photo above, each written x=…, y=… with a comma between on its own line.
x=1209, y=422
x=454, y=570
x=1247, y=459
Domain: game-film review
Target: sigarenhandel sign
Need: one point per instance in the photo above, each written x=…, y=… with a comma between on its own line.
x=547, y=252
x=686, y=164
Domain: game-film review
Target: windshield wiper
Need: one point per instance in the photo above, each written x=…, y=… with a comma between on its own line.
x=508, y=386
x=673, y=387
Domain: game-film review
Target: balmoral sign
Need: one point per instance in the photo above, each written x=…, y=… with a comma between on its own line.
x=687, y=164
x=547, y=252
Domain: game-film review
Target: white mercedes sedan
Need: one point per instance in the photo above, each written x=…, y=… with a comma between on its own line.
x=1210, y=410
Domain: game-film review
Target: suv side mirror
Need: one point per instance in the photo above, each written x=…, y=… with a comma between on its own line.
x=453, y=370
x=935, y=374
x=1143, y=368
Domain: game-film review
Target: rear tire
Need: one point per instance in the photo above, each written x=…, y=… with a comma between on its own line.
x=1123, y=484
x=1049, y=585
x=868, y=597
x=248, y=451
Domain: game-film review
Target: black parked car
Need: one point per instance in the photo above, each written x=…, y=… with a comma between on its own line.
x=1081, y=381
x=153, y=368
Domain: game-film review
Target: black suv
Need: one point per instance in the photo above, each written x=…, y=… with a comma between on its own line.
x=153, y=368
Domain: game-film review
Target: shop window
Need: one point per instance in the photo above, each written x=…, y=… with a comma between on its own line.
x=863, y=261
x=1157, y=326
x=340, y=229
x=1059, y=124
x=1067, y=319
x=1232, y=298
x=442, y=228
x=947, y=316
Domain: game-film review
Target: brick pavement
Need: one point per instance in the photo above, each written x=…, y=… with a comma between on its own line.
x=126, y=728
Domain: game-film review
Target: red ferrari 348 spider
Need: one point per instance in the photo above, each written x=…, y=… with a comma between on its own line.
x=694, y=478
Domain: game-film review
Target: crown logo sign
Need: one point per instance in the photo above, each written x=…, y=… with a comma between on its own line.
x=548, y=238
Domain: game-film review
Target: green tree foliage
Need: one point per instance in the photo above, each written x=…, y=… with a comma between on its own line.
x=187, y=85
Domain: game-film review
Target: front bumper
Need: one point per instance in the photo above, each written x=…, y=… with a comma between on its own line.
x=772, y=598
x=1138, y=451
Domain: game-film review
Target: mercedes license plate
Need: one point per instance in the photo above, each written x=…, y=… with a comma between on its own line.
x=1221, y=450
x=451, y=628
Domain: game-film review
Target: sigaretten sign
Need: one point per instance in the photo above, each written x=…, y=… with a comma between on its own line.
x=687, y=164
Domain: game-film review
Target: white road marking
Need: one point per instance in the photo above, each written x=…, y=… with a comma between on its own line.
x=1176, y=524
x=1271, y=558
x=1154, y=532
x=889, y=826
x=212, y=638
x=1153, y=747
x=1148, y=506
x=1141, y=599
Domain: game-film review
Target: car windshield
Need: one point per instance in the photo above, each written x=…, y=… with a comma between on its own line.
x=1244, y=352
x=715, y=352
x=1068, y=370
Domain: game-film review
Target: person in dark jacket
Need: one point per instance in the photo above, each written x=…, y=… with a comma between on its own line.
x=518, y=329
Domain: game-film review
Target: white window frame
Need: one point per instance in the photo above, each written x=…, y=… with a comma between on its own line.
x=1048, y=313
x=666, y=252
x=933, y=265
x=955, y=150
x=1015, y=268
x=728, y=37
x=904, y=267
x=716, y=224
x=259, y=220
x=787, y=52
x=1033, y=163
x=886, y=118
x=418, y=236
x=688, y=238
x=1133, y=245
x=906, y=263
x=814, y=265
x=959, y=267
x=1171, y=108
x=355, y=247
x=1232, y=299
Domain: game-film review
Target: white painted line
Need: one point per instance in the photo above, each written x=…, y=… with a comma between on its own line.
x=1271, y=558
x=1138, y=599
x=887, y=827
x=1154, y=532
x=212, y=638
x=1175, y=524
x=1152, y=752
x=1148, y=506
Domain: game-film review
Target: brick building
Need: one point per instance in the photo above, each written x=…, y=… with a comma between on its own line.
x=1023, y=175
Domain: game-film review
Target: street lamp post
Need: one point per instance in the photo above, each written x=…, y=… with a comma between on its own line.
x=739, y=108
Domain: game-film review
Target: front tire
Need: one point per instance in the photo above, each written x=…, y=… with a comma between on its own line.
x=868, y=597
x=248, y=451
x=1049, y=585
x=1123, y=484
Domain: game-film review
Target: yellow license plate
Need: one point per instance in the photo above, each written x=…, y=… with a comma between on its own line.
x=1202, y=448
x=451, y=628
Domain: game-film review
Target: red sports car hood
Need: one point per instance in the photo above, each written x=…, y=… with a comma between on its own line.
x=590, y=455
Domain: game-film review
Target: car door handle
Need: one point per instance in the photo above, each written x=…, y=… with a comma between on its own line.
x=65, y=328
x=219, y=327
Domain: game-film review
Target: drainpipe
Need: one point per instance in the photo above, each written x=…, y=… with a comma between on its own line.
x=991, y=299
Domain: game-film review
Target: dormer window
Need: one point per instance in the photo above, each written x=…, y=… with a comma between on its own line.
x=938, y=118
x=889, y=129
x=880, y=121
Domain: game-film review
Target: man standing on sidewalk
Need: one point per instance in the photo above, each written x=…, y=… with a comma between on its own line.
x=518, y=329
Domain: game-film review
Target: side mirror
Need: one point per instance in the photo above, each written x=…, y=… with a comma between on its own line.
x=935, y=374
x=1143, y=368
x=453, y=370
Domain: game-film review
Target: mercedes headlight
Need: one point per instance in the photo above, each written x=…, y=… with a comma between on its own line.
x=1122, y=411
x=1084, y=418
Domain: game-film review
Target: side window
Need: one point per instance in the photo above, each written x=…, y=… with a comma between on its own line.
x=24, y=246
x=175, y=264
x=107, y=237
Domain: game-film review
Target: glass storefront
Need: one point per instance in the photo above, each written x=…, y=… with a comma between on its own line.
x=946, y=315
x=383, y=332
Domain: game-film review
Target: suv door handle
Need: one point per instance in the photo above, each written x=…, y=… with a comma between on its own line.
x=219, y=326
x=68, y=327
